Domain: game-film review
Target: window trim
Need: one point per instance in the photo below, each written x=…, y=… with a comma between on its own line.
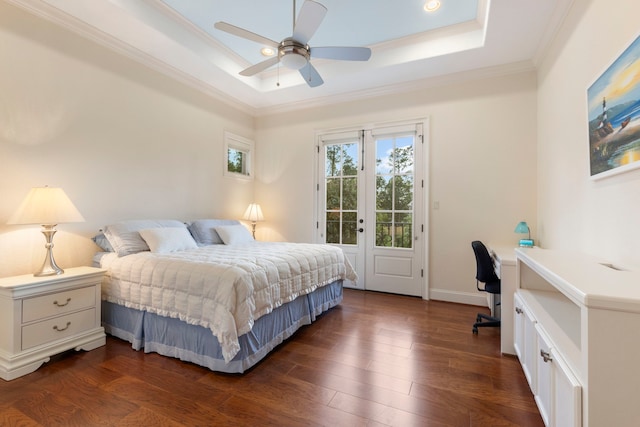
x=244, y=145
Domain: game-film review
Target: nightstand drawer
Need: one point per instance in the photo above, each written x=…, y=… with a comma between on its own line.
x=57, y=328
x=49, y=305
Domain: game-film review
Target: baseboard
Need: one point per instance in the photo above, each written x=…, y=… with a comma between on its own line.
x=459, y=297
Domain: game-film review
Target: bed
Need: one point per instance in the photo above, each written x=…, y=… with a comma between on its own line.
x=207, y=293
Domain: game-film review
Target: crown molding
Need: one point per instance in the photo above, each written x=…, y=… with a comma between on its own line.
x=406, y=87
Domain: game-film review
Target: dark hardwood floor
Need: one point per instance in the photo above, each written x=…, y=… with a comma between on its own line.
x=375, y=360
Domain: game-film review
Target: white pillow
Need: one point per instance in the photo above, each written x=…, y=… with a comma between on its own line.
x=168, y=239
x=125, y=239
x=234, y=234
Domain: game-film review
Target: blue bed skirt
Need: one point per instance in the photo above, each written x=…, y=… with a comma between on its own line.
x=196, y=344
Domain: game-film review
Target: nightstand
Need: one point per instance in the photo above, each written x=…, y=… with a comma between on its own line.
x=43, y=316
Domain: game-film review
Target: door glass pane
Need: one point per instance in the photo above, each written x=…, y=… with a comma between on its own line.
x=384, y=229
x=403, y=229
x=395, y=191
x=384, y=192
x=332, y=160
x=384, y=156
x=403, y=193
x=341, y=187
x=350, y=157
x=350, y=193
x=349, y=228
x=333, y=193
x=333, y=227
x=403, y=161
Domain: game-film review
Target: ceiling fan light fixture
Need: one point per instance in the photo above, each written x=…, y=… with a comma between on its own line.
x=432, y=5
x=293, y=61
x=293, y=55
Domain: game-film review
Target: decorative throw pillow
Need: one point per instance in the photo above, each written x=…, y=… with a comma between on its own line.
x=168, y=239
x=234, y=234
x=103, y=243
x=204, y=233
x=124, y=236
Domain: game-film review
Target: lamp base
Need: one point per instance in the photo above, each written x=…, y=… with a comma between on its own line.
x=49, y=266
x=526, y=243
x=48, y=270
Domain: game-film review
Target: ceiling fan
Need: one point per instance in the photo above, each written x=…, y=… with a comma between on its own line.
x=294, y=52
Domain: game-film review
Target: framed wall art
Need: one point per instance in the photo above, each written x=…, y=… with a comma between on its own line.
x=614, y=116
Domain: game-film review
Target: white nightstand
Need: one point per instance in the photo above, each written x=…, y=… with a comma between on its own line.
x=43, y=316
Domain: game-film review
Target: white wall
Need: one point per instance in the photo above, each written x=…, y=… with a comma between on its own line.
x=482, y=168
x=124, y=142
x=599, y=217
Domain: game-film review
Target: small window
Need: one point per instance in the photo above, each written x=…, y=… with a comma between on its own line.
x=238, y=156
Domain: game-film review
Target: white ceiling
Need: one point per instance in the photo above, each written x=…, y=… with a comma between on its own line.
x=410, y=47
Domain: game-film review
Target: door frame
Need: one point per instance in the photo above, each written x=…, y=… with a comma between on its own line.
x=425, y=175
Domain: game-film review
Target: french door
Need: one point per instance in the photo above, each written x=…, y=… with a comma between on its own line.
x=370, y=203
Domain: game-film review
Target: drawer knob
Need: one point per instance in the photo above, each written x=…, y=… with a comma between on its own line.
x=57, y=304
x=545, y=356
x=62, y=329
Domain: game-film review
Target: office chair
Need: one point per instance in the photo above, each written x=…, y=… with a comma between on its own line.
x=486, y=274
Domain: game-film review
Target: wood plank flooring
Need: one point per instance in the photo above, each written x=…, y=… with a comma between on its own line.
x=375, y=360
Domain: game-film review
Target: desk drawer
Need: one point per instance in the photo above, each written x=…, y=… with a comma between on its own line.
x=58, y=303
x=57, y=328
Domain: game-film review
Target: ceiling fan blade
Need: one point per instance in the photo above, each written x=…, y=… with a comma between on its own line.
x=310, y=75
x=309, y=19
x=260, y=66
x=342, y=53
x=245, y=34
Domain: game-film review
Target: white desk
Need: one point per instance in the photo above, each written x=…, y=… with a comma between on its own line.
x=505, y=265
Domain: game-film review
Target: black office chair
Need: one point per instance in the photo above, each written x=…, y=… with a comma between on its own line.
x=486, y=274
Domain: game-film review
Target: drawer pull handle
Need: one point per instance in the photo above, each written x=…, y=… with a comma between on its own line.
x=545, y=356
x=62, y=329
x=57, y=304
x=518, y=310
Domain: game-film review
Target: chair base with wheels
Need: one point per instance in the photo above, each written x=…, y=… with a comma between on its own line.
x=484, y=320
x=487, y=275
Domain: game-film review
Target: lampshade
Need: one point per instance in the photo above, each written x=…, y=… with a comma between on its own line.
x=253, y=213
x=46, y=205
x=522, y=227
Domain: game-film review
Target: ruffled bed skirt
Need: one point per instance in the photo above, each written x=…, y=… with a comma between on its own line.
x=192, y=343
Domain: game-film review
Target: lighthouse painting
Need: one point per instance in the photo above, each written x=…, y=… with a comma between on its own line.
x=614, y=116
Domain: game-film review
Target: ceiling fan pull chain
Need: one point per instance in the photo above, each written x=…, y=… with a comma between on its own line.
x=278, y=71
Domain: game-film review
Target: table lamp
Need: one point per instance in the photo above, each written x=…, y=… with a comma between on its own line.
x=48, y=207
x=523, y=228
x=253, y=214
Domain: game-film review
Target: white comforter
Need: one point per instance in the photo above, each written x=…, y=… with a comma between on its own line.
x=223, y=288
